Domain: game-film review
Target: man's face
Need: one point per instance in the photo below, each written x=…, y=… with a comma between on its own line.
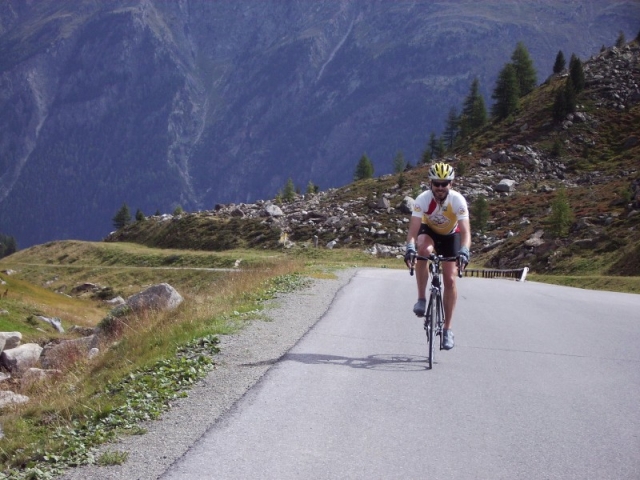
x=440, y=188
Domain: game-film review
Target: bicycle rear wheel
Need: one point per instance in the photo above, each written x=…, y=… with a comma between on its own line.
x=430, y=327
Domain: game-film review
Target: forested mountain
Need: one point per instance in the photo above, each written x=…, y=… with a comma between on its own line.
x=192, y=103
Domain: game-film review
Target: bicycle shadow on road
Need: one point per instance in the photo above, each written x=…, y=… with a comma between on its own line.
x=387, y=362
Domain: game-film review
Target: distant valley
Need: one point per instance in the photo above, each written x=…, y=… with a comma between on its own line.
x=163, y=104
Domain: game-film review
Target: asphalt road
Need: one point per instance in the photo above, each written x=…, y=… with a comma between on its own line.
x=544, y=383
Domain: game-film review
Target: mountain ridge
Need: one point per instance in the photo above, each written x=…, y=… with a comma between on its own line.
x=195, y=103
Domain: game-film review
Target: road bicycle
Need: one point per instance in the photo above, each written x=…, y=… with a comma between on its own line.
x=434, y=314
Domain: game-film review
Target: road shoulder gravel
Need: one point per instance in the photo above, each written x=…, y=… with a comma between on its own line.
x=243, y=359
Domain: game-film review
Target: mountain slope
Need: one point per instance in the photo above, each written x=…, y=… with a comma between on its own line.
x=518, y=165
x=159, y=104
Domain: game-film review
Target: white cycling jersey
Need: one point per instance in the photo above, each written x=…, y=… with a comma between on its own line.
x=442, y=219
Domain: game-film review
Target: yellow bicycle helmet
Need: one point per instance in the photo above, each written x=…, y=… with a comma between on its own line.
x=441, y=171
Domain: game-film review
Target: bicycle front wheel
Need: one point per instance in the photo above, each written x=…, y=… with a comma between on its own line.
x=430, y=327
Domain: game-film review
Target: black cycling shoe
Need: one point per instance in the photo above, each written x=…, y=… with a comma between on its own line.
x=447, y=342
x=420, y=307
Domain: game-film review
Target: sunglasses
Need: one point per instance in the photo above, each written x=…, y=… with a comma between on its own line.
x=440, y=184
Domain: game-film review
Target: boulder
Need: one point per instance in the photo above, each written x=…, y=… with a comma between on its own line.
x=406, y=205
x=505, y=185
x=19, y=359
x=8, y=398
x=9, y=340
x=157, y=297
x=273, y=211
x=58, y=355
x=116, y=301
x=55, y=322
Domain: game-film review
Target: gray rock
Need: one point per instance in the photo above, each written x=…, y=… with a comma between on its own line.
x=406, y=205
x=19, y=359
x=157, y=297
x=7, y=398
x=55, y=322
x=506, y=185
x=116, y=301
x=273, y=211
x=10, y=339
x=57, y=355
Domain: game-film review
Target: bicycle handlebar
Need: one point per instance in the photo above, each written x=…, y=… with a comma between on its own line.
x=435, y=258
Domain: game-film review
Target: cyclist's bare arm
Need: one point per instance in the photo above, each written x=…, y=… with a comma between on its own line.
x=412, y=235
x=465, y=233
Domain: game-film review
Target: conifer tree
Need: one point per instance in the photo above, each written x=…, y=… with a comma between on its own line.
x=364, y=169
x=140, y=216
x=560, y=62
x=8, y=245
x=312, y=188
x=576, y=73
x=122, y=217
x=451, y=128
x=561, y=215
x=474, y=112
x=621, y=40
x=427, y=155
x=525, y=72
x=479, y=214
x=506, y=94
x=399, y=162
x=289, y=192
x=434, y=145
x=565, y=101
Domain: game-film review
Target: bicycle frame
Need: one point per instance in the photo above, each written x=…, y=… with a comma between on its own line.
x=434, y=314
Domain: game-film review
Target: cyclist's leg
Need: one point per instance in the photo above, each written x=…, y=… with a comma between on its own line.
x=425, y=247
x=450, y=248
x=449, y=274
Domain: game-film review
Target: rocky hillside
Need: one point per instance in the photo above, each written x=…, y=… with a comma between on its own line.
x=517, y=165
x=194, y=103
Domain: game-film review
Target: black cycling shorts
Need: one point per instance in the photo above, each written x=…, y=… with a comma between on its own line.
x=445, y=245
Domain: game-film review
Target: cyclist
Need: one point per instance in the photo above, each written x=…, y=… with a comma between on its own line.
x=439, y=222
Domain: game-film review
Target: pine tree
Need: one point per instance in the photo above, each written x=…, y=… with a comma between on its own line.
x=565, y=101
x=433, y=145
x=560, y=63
x=399, y=163
x=122, y=217
x=479, y=214
x=426, y=156
x=525, y=72
x=561, y=215
x=576, y=73
x=451, y=128
x=289, y=192
x=441, y=146
x=474, y=112
x=140, y=216
x=8, y=245
x=364, y=169
x=312, y=188
x=506, y=94
x=570, y=96
x=621, y=40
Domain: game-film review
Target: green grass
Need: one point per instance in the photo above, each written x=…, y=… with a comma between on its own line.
x=591, y=282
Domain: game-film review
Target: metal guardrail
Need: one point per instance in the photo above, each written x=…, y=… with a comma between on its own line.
x=518, y=273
